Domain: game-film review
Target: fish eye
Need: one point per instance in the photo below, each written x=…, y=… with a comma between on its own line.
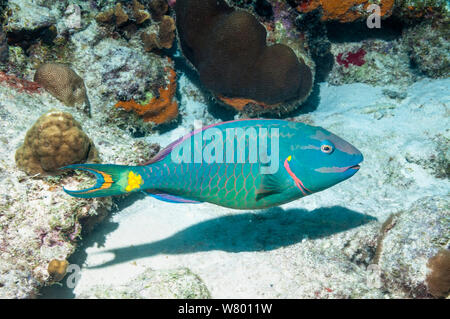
x=327, y=147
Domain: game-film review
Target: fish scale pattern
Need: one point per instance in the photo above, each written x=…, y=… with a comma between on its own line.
x=226, y=184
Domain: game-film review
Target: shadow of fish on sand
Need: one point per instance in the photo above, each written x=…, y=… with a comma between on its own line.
x=261, y=231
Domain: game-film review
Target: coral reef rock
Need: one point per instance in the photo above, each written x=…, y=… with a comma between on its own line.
x=239, y=65
x=415, y=235
x=30, y=15
x=162, y=38
x=414, y=10
x=121, y=72
x=61, y=82
x=54, y=141
x=374, y=61
x=177, y=283
x=158, y=110
x=429, y=48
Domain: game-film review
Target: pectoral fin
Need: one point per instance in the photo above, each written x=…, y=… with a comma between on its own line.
x=270, y=185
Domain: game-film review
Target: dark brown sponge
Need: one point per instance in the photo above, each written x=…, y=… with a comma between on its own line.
x=228, y=49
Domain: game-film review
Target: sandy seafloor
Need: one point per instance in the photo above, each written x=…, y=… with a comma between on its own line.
x=319, y=246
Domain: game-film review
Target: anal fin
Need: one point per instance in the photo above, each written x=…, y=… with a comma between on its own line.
x=170, y=198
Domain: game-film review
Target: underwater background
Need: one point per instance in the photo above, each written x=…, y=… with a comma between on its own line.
x=114, y=81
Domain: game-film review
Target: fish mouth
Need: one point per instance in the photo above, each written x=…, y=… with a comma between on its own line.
x=338, y=169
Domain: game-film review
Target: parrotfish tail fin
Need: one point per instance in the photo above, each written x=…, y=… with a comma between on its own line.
x=111, y=180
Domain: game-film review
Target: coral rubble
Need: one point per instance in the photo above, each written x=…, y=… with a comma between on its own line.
x=173, y=283
x=38, y=222
x=29, y=15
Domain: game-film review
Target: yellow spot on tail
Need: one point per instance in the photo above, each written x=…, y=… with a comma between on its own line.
x=289, y=158
x=134, y=181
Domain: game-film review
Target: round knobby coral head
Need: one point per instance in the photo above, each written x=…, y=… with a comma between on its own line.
x=54, y=141
x=61, y=82
x=57, y=269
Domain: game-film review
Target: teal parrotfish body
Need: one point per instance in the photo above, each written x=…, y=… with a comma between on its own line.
x=242, y=164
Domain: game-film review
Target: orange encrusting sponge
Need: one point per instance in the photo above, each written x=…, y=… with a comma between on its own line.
x=158, y=110
x=240, y=103
x=344, y=10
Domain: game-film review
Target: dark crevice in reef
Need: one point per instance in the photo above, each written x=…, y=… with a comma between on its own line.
x=318, y=42
x=391, y=29
x=263, y=8
x=25, y=38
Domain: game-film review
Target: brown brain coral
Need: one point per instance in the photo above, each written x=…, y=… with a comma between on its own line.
x=61, y=82
x=55, y=140
x=236, y=64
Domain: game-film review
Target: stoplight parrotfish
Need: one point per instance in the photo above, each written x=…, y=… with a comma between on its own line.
x=242, y=164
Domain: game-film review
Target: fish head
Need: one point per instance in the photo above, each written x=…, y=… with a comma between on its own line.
x=320, y=159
